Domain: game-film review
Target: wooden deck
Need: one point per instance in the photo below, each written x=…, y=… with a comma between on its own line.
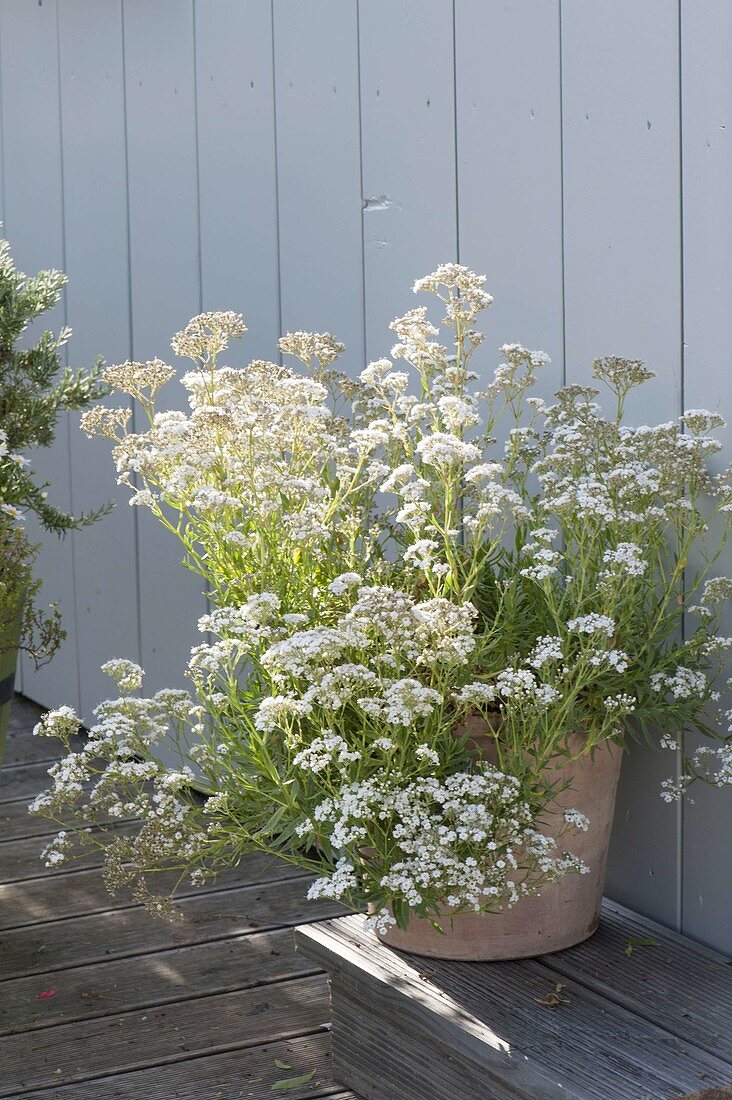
x=634, y=1013
x=98, y=1001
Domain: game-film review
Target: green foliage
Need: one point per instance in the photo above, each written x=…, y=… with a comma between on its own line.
x=22, y=624
x=35, y=390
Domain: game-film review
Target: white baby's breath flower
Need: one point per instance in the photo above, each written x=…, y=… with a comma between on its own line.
x=126, y=674
x=577, y=820
x=62, y=722
x=442, y=449
x=592, y=624
x=683, y=683
x=717, y=590
x=343, y=582
x=486, y=471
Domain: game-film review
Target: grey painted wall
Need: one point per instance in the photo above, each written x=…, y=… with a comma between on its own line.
x=303, y=161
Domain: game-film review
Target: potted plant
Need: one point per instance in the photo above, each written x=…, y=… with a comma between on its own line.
x=427, y=650
x=34, y=392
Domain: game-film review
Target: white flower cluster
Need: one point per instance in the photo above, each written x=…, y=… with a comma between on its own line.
x=379, y=580
x=323, y=751
x=62, y=723
x=592, y=624
x=126, y=674
x=683, y=683
x=343, y=583
x=521, y=684
x=468, y=839
x=544, y=560
x=626, y=558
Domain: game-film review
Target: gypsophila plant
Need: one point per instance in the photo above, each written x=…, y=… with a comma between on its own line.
x=258, y=482
x=325, y=773
x=574, y=539
x=383, y=573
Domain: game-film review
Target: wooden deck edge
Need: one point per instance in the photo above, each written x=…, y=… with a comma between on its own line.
x=383, y=1000
x=406, y=998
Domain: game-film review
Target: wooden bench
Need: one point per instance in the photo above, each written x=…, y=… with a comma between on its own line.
x=635, y=1013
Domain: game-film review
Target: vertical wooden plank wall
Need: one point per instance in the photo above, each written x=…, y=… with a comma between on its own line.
x=318, y=170
x=34, y=218
x=622, y=240
x=303, y=163
x=97, y=297
x=509, y=155
x=706, y=143
x=408, y=149
x=236, y=170
x=162, y=153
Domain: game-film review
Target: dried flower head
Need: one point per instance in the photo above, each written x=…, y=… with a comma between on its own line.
x=621, y=374
x=208, y=334
x=320, y=347
x=101, y=420
x=140, y=380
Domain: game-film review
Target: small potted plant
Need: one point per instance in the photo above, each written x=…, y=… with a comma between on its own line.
x=34, y=392
x=427, y=649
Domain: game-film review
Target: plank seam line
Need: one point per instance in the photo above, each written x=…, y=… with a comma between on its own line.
x=31, y=763
x=111, y=826
x=65, y=306
x=143, y=1006
x=130, y=307
x=200, y=893
x=24, y=837
x=562, y=211
x=96, y=960
x=455, y=130
x=11, y=801
x=196, y=892
x=28, y=836
x=359, y=90
x=680, y=804
x=181, y=948
x=276, y=165
x=188, y=1056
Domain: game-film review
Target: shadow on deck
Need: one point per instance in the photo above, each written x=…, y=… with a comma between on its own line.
x=99, y=1001
x=634, y=1013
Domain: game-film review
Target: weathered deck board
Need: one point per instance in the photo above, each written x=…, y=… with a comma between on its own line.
x=34, y=900
x=22, y=781
x=20, y=859
x=117, y=933
x=135, y=1040
x=454, y=1024
x=676, y=981
x=236, y=1074
x=21, y=747
x=99, y=1000
x=155, y=979
x=16, y=823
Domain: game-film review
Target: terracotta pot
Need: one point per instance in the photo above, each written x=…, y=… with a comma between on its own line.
x=562, y=913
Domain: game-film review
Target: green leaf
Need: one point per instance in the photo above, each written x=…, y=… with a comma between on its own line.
x=633, y=943
x=292, y=1082
x=282, y=1065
